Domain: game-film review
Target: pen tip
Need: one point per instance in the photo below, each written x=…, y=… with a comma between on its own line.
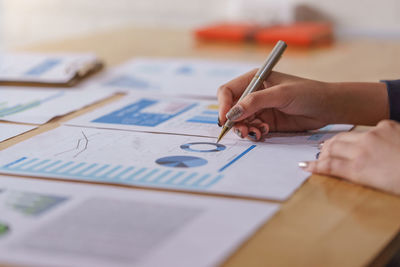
x=223, y=133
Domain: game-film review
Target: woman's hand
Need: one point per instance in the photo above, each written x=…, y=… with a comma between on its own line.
x=289, y=103
x=370, y=158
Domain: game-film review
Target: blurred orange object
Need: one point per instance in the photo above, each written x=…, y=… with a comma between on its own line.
x=300, y=33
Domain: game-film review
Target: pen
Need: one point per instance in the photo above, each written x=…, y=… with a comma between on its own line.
x=258, y=79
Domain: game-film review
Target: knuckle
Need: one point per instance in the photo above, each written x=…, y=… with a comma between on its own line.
x=324, y=166
x=339, y=136
x=387, y=124
x=223, y=88
x=370, y=136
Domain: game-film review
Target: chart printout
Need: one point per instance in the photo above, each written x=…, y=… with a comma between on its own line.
x=175, y=115
x=37, y=106
x=43, y=67
x=173, y=76
x=52, y=223
x=232, y=167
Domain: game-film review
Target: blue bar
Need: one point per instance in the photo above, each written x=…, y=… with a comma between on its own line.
x=86, y=169
x=216, y=179
x=203, y=119
x=107, y=174
x=237, y=158
x=130, y=177
x=62, y=166
x=98, y=170
x=14, y=162
x=162, y=175
x=210, y=112
x=37, y=164
x=73, y=168
x=187, y=179
x=174, y=177
x=147, y=176
x=124, y=172
x=49, y=165
x=198, y=182
x=26, y=163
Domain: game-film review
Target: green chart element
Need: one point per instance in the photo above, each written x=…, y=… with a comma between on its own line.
x=4, y=229
x=32, y=204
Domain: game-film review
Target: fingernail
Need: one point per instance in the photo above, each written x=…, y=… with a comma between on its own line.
x=303, y=164
x=253, y=136
x=219, y=123
x=234, y=113
x=263, y=130
x=238, y=133
x=320, y=145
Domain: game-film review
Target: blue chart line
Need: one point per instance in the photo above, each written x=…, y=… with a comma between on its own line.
x=132, y=175
x=237, y=158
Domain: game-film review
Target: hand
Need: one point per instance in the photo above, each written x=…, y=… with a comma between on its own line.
x=289, y=103
x=370, y=158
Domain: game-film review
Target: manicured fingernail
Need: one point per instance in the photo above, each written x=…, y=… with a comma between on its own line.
x=238, y=133
x=234, y=113
x=320, y=145
x=219, y=123
x=253, y=136
x=303, y=164
x=263, y=130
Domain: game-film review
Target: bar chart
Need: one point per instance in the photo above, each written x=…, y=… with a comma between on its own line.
x=109, y=173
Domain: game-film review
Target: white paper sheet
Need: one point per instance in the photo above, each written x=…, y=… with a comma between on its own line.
x=171, y=76
x=37, y=106
x=46, y=223
x=233, y=167
x=175, y=115
x=43, y=67
x=8, y=130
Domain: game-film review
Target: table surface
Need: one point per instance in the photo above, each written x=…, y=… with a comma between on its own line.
x=327, y=222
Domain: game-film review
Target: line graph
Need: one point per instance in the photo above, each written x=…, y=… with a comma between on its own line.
x=81, y=145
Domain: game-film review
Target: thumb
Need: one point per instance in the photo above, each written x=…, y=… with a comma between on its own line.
x=273, y=97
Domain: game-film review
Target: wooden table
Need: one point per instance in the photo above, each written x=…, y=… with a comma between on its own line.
x=327, y=222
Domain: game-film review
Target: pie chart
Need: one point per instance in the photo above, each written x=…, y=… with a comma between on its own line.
x=203, y=147
x=181, y=161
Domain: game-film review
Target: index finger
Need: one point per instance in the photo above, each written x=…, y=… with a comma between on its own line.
x=230, y=92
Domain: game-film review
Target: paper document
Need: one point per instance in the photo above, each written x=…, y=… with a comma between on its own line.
x=44, y=68
x=8, y=130
x=177, y=115
x=144, y=112
x=64, y=224
x=233, y=167
x=171, y=76
x=33, y=105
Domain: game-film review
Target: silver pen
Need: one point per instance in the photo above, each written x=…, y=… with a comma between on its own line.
x=258, y=79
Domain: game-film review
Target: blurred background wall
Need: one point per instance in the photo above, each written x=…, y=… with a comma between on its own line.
x=28, y=21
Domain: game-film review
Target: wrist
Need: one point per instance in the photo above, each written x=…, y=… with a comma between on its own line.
x=358, y=103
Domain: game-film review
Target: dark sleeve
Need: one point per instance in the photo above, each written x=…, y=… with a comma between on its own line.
x=393, y=88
